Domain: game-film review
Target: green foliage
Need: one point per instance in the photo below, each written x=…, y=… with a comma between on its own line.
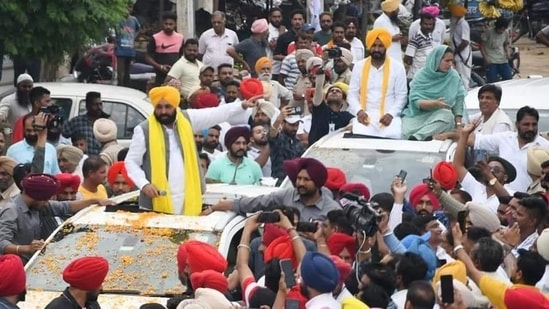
x=49, y=29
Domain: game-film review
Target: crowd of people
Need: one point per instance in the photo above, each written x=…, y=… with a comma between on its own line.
x=483, y=222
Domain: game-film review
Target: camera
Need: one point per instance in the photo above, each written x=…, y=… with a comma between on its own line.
x=361, y=213
x=306, y=227
x=296, y=110
x=334, y=53
x=55, y=120
x=268, y=217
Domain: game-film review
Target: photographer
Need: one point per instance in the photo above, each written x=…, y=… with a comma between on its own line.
x=39, y=97
x=326, y=111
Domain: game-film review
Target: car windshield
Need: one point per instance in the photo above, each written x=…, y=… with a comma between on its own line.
x=142, y=261
x=377, y=168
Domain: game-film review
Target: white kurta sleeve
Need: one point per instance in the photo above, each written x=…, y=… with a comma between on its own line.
x=134, y=158
x=208, y=117
x=353, y=98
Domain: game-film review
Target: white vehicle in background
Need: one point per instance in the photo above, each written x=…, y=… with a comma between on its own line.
x=517, y=93
x=141, y=249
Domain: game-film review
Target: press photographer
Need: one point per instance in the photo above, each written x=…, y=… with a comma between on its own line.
x=54, y=123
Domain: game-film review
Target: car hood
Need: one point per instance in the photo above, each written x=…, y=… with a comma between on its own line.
x=39, y=299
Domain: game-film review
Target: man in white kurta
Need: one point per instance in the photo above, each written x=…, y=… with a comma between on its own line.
x=460, y=38
x=389, y=21
x=377, y=107
x=199, y=119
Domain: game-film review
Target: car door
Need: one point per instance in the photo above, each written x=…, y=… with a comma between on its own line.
x=123, y=114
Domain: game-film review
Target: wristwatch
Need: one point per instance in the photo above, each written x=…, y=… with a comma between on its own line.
x=492, y=181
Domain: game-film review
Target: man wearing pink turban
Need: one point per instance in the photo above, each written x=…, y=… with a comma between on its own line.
x=253, y=47
x=439, y=29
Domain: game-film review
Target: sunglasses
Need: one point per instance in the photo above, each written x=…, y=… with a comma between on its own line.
x=496, y=169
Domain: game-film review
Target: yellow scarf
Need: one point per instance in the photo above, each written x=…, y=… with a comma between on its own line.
x=384, y=85
x=157, y=148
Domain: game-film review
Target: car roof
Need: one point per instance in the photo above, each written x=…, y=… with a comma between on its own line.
x=80, y=89
x=516, y=94
x=338, y=140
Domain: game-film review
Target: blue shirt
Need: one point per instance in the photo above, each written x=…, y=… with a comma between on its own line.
x=125, y=36
x=23, y=153
x=224, y=170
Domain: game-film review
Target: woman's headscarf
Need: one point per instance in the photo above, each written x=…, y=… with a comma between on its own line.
x=431, y=84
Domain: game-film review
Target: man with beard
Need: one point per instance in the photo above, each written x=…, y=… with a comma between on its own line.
x=187, y=69
x=259, y=149
x=460, y=38
x=324, y=35
x=280, y=95
x=275, y=30
x=342, y=67
x=308, y=194
x=389, y=21
x=14, y=281
x=235, y=167
x=224, y=77
x=23, y=151
x=513, y=146
x=68, y=187
x=213, y=43
x=253, y=47
x=338, y=37
x=118, y=179
x=39, y=97
x=420, y=45
x=163, y=146
x=85, y=277
x=297, y=20
x=327, y=116
x=83, y=124
x=21, y=221
x=8, y=188
x=378, y=103
x=164, y=48
x=319, y=278
x=357, y=47
x=290, y=70
x=211, y=143
x=16, y=105
x=199, y=140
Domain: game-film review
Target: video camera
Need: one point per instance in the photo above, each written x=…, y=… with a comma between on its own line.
x=361, y=213
x=55, y=120
x=334, y=53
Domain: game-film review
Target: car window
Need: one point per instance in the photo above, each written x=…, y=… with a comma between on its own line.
x=543, y=123
x=377, y=168
x=65, y=104
x=133, y=253
x=125, y=116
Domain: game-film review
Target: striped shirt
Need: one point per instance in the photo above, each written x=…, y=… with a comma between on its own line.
x=290, y=69
x=418, y=48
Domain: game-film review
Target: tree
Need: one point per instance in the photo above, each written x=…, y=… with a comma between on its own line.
x=51, y=29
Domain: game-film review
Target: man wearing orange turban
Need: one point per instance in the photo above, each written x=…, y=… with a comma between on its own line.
x=377, y=98
x=118, y=179
x=85, y=277
x=389, y=21
x=163, y=161
x=460, y=37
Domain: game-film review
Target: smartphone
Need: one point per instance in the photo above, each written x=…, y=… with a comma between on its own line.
x=402, y=175
x=268, y=217
x=447, y=289
x=288, y=270
x=292, y=304
x=429, y=179
x=306, y=227
x=441, y=262
x=462, y=216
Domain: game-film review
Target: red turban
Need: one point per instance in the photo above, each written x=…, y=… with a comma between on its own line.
x=282, y=249
x=290, y=169
x=119, y=168
x=182, y=258
x=336, y=179
x=40, y=187
x=251, y=87
x=67, y=180
x=445, y=173
x=339, y=241
x=271, y=232
x=86, y=273
x=343, y=268
x=203, y=256
x=420, y=191
x=316, y=170
x=205, y=100
x=13, y=279
x=210, y=279
x=356, y=188
x=235, y=133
